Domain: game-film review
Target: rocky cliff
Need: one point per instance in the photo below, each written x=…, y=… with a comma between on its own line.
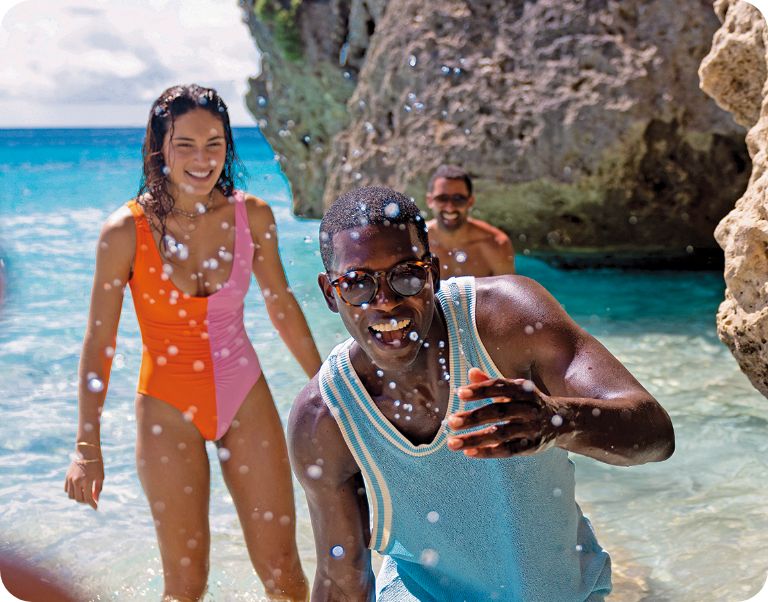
x=581, y=120
x=734, y=74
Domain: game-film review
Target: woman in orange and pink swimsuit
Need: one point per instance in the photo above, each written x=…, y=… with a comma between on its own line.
x=187, y=246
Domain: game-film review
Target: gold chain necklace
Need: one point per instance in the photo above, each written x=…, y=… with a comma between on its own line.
x=200, y=209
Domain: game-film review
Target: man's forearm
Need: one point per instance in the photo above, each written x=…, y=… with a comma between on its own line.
x=621, y=431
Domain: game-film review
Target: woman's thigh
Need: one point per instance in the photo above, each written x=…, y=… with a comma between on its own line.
x=175, y=474
x=257, y=471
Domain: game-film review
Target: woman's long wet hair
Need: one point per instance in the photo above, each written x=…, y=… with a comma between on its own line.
x=153, y=193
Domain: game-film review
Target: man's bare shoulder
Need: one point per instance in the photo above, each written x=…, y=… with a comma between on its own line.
x=485, y=232
x=514, y=301
x=314, y=433
x=309, y=410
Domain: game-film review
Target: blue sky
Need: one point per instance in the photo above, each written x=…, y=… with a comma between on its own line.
x=103, y=62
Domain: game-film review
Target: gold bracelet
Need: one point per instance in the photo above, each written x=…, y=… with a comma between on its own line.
x=84, y=461
x=86, y=443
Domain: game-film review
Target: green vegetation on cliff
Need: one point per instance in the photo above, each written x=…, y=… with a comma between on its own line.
x=280, y=16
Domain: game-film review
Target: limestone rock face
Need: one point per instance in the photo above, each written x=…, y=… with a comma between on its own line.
x=300, y=104
x=734, y=73
x=580, y=120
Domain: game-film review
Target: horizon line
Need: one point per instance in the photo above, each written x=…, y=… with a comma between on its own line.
x=97, y=127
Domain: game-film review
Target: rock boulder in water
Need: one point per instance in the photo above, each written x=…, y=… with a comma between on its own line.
x=581, y=121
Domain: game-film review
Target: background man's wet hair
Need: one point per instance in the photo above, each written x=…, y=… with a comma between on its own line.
x=370, y=205
x=451, y=172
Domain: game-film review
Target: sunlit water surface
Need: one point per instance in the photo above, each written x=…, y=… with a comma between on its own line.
x=693, y=528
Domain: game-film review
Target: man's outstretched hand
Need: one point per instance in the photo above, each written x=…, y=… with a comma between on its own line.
x=522, y=420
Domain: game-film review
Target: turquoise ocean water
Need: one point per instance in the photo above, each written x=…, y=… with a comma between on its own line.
x=694, y=528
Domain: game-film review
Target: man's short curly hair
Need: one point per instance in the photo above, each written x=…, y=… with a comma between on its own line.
x=369, y=206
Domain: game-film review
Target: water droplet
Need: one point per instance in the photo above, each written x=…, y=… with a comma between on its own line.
x=528, y=386
x=392, y=210
x=392, y=385
x=595, y=412
x=109, y=351
x=380, y=373
x=223, y=453
x=337, y=551
x=412, y=60
x=557, y=492
x=157, y=429
x=413, y=335
x=198, y=366
x=261, y=101
x=579, y=547
x=268, y=516
x=166, y=170
x=95, y=385
x=429, y=557
x=460, y=256
x=243, y=469
x=529, y=329
x=433, y=517
x=314, y=471
x=307, y=239
x=185, y=561
x=556, y=420
x=445, y=70
x=173, y=350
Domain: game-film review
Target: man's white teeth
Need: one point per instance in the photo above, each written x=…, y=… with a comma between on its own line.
x=199, y=174
x=450, y=215
x=390, y=325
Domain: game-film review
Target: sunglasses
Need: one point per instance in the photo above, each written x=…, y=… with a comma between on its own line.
x=459, y=200
x=358, y=287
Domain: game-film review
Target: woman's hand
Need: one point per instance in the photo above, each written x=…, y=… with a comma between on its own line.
x=85, y=479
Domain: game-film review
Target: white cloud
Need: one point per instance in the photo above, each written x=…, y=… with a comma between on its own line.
x=77, y=61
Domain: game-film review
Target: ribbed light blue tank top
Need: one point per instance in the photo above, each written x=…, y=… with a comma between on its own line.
x=454, y=528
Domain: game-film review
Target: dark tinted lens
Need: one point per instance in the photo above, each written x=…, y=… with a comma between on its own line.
x=408, y=279
x=456, y=199
x=357, y=287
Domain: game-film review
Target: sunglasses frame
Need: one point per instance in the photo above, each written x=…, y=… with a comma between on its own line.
x=425, y=262
x=458, y=200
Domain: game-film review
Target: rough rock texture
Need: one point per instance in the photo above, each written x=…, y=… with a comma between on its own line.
x=581, y=120
x=734, y=73
x=300, y=105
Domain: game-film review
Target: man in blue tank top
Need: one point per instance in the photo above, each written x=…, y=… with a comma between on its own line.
x=438, y=434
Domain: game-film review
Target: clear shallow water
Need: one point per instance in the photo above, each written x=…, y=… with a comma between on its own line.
x=693, y=528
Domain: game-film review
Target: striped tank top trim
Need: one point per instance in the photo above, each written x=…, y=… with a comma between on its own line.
x=340, y=386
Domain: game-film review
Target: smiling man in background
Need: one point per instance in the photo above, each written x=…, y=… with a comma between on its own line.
x=466, y=246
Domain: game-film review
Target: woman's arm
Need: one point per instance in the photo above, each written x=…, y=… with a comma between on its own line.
x=114, y=256
x=284, y=311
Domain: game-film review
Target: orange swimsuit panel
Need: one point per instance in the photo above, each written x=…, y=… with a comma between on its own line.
x=196, y=356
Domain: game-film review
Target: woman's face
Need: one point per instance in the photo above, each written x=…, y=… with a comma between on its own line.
x=194, y=151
